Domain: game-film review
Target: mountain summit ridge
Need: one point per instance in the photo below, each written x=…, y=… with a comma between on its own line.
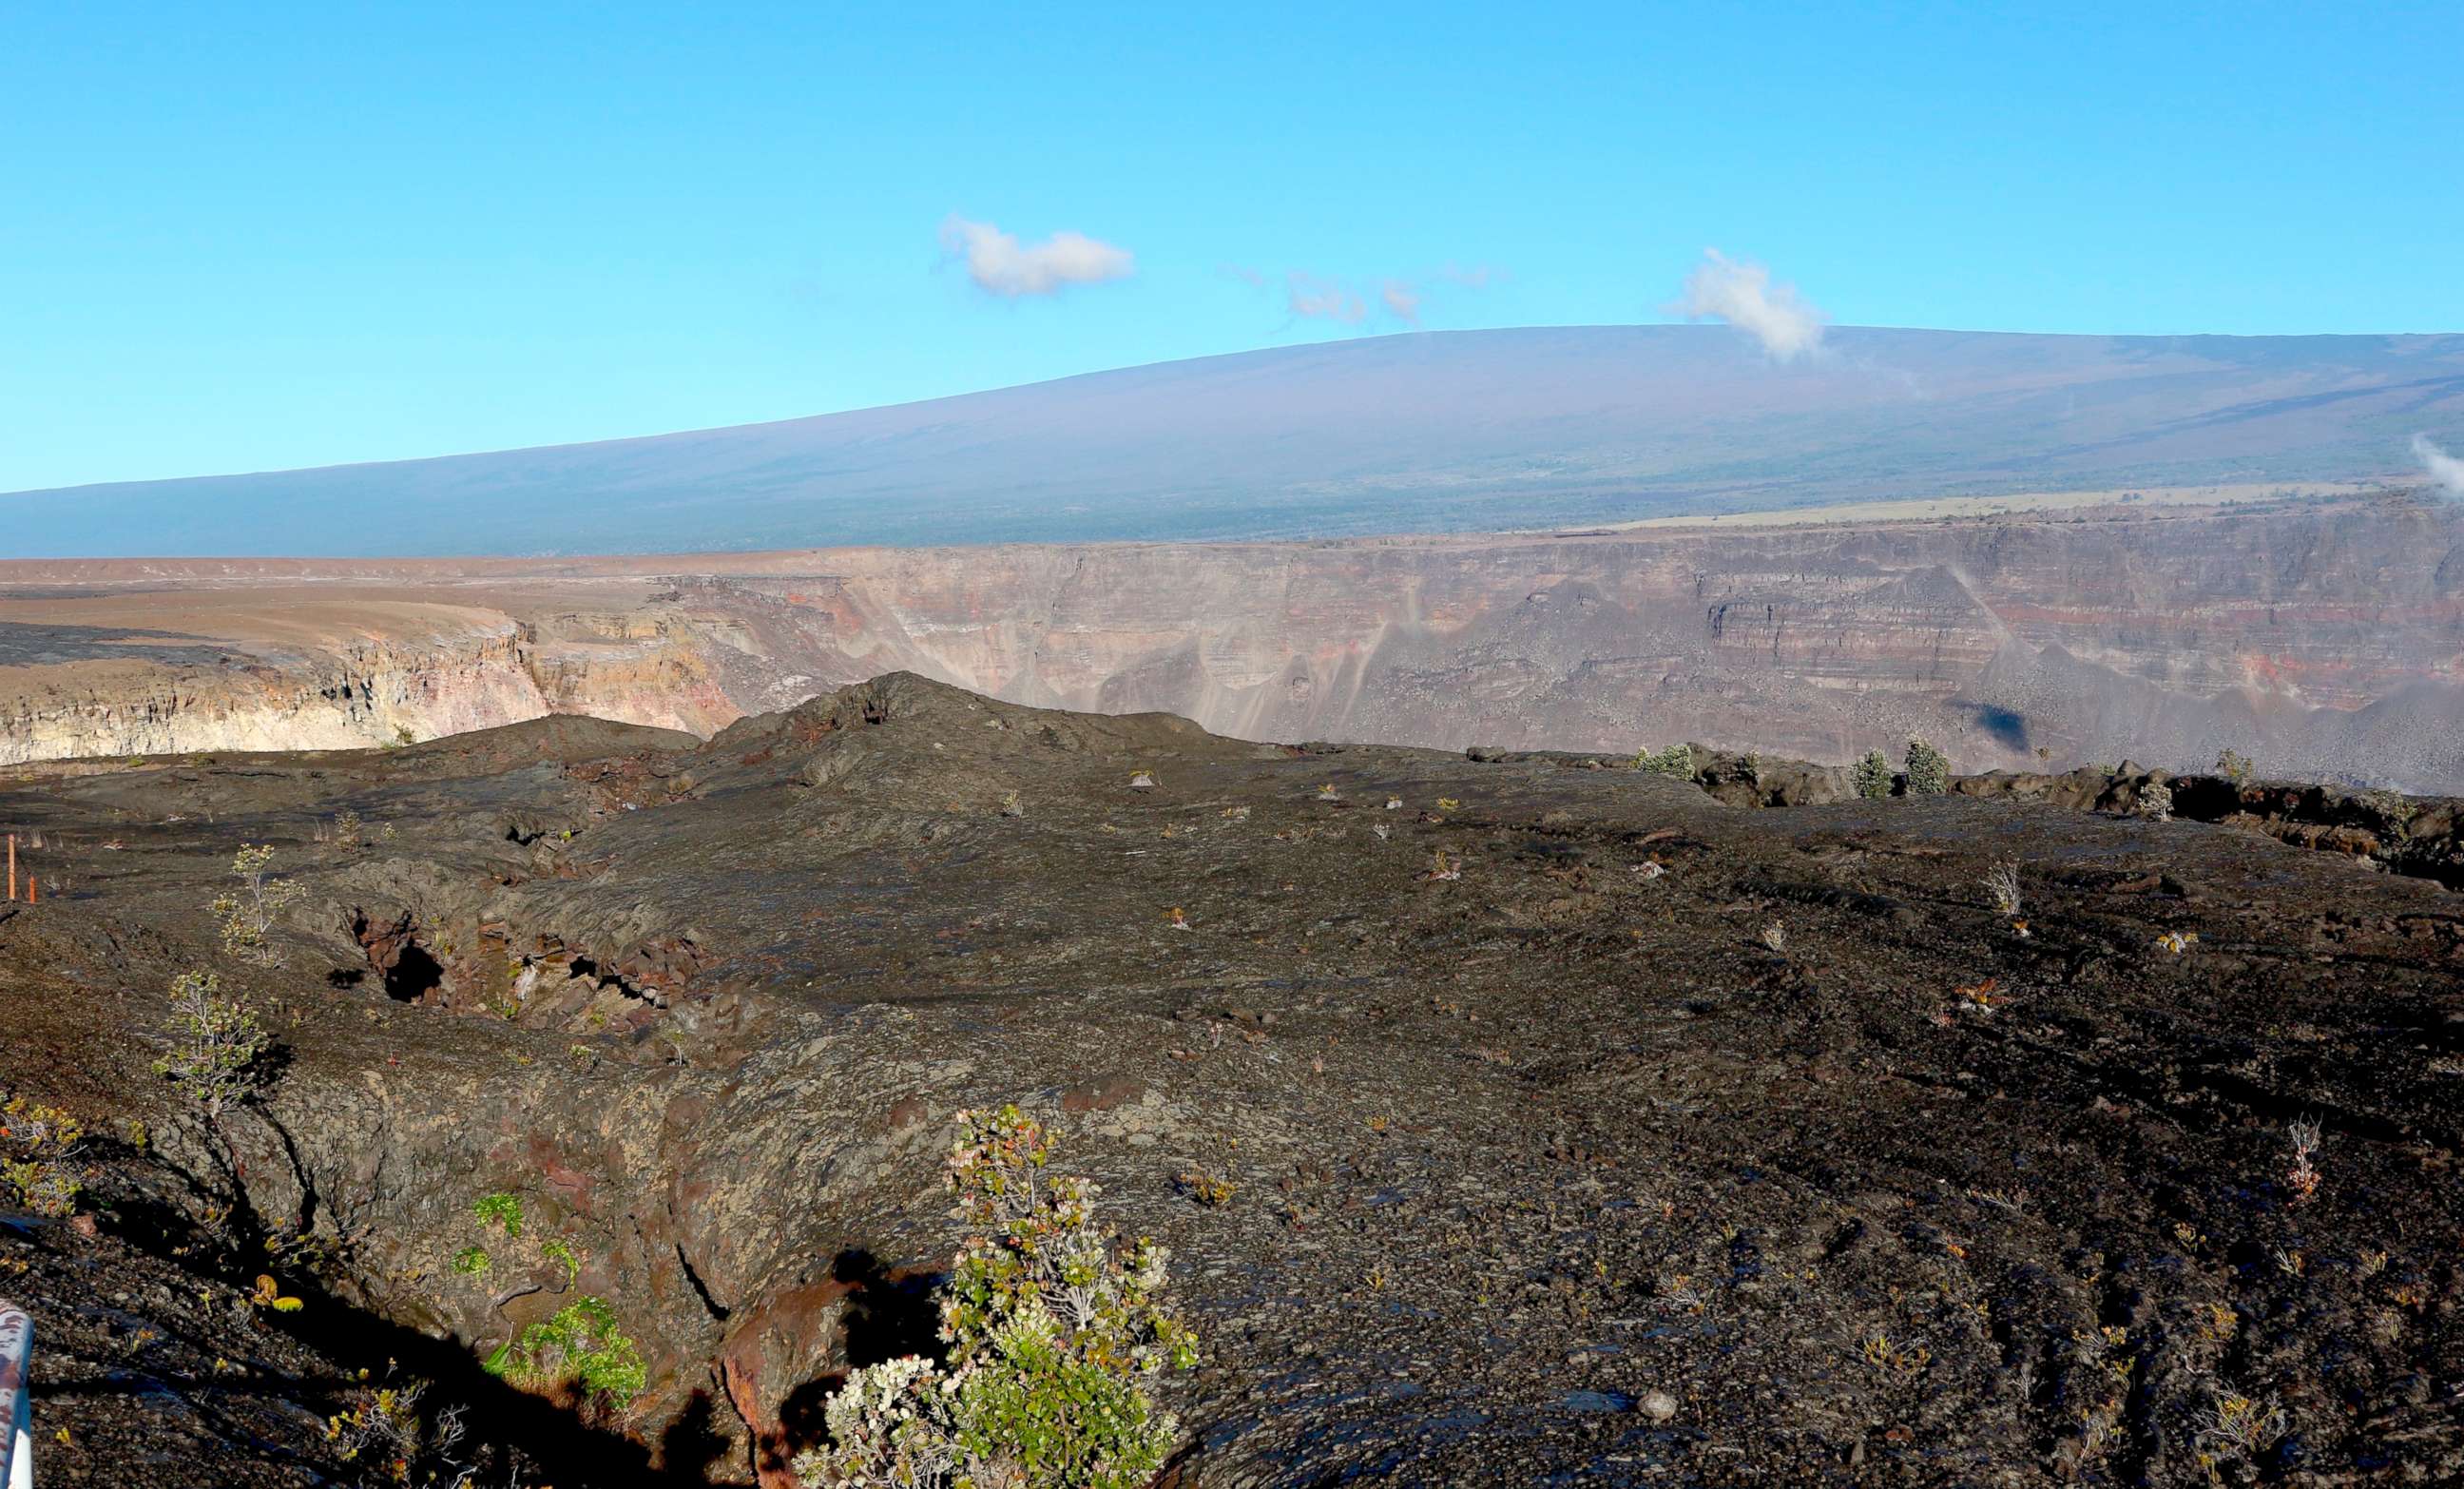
x=1430, y=431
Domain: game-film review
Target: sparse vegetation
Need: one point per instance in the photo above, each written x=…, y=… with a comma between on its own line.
x=500, y=1210
x=220, y=1055
x=2002, y=887
x=387, y=1428
x=2237, y=1429
x=38, y=1150
x=1676, y=762
x=2155, y=802
x=1211, y=1190
x=1872, y=775
x=1929, y=768
x=2396, y=808
x=581, y=1348
x=249, y=913
x=1051, y=1327
x=2302, y=1178
x=2234, y=767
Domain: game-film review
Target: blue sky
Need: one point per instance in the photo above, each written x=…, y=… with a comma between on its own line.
x=293, y=235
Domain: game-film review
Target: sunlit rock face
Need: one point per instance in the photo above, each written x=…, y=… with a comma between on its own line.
x=2321, y=639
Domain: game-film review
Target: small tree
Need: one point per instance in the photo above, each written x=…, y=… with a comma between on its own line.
x=1872, y=775
x=1929, y=768
x=2235, y=767
x=2156, y=802
x=220, y=1055
x=1050, y=1327
x=249, y=912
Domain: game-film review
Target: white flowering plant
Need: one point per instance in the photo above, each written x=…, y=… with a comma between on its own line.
x=1052, y=1328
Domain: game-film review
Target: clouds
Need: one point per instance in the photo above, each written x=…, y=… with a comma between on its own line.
x=2444, y=469
x=1743, y=295
x=1355, y=303
x=1001, y=265
x=1309, y=298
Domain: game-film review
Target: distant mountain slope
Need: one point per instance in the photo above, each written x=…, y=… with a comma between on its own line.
x=1439, y=431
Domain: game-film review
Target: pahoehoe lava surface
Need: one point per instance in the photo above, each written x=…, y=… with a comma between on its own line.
x=1557, y=1171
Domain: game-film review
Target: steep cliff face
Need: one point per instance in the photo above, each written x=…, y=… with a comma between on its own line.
x=2321, y=639
x=2326, y=639
x=333, y=679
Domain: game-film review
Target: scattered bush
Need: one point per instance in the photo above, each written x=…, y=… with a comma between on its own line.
x=1872, y=775
x=1929, y=769
x=2237, y=1429
x=1050, y=1327
x=2002, y=886
x=472, y=1261
x=2155, y=802
x=1676, y=762
x=2302, y=1178
x=251, y=911
x=1209, y=1189
x=387, y=1427
x=581, y=1348
x=220, y=1055
x=38, y=1147
x=2235, y=767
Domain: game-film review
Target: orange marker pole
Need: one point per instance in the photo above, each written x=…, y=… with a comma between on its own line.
x=13, y=865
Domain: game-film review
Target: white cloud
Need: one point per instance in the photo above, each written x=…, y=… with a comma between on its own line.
x=2444, y=469
x=1479, y=276
x=1402, y=301
x=1743, y=295
x=1246, y=275
x=1001, y=265
x=1311, y=298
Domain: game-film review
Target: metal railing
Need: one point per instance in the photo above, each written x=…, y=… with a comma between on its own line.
x=16, y=1415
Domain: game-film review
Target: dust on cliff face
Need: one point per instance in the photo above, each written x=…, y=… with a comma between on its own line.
x=1581, y=1128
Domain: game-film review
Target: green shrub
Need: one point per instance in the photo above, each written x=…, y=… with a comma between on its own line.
x=220, y=1055
x=1676, y=762
x=582, y=1347
x=472, y=1260
x=1929, y=768
x=2235, y=767
x=1872, y=775
x=1034, y=1394
x=501, y=1210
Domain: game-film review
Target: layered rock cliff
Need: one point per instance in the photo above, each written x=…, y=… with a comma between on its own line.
x=2321, y=639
